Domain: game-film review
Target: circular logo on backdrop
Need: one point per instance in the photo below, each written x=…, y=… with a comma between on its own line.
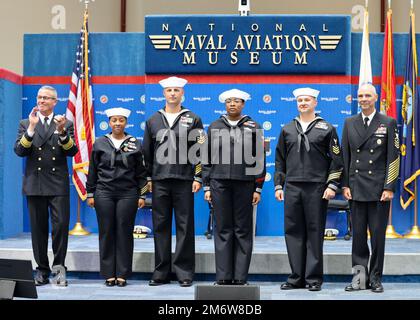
x=267, y=98
x=104, y=99
x=143, y=125
x=267, y=177
x=143, y=99
x=349, y=98
x=267, y=125
x=103, y=125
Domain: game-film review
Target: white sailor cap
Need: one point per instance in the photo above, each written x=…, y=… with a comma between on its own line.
x=306, y=92
x=117, y=112
x=234, y=93
x=141, y=232
x=330, y=232
x=173, y=82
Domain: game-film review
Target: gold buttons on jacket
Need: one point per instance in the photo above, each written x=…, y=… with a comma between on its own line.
x=357, y=161
x=370, y=161
x=371, y=150
x=39, y=169
x=53, y=158
x=357, y=171
x=370, y=172
x=39, y=159
x=53, y=169
x=53, y=148
x=358, y=150
x=39, y=148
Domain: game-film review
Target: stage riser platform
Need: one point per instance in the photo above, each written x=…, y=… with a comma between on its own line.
x=269, y=257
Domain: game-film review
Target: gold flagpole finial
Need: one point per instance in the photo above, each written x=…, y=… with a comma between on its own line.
x=412, y=4
x=389, y=4
x=86, y=2
x=366, y=4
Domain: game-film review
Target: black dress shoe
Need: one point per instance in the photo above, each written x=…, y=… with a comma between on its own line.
x=121, y=282
x=41, y=278
x=223, y=282
x=157, y=282
x=314, y=286
x=240, y=282
x=185, y=283
x=289, y=286
x=110, y=282
x=350, y=288
x=376, y=287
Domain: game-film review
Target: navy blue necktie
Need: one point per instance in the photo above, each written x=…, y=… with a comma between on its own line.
x=366, y=122
x=46, y=126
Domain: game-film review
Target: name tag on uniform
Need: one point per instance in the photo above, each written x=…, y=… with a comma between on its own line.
x=321, y=125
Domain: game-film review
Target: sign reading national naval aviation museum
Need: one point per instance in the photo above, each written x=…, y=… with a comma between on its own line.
x=253, y=44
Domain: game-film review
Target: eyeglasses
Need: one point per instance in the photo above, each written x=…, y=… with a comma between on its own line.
x=45, y=98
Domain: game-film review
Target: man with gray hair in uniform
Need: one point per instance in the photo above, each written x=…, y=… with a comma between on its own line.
x=371, y=167
x=45, y=139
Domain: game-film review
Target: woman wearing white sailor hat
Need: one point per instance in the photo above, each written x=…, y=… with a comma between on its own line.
x=116, y=186
x=233, y=189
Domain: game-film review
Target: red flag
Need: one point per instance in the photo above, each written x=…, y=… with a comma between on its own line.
x=80, y=111
x=388, y=102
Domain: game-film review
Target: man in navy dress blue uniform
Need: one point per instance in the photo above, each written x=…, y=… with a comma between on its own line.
x=371, y=167
x=46, y=140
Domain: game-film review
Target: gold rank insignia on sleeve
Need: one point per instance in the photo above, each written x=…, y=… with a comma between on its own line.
x=198, y=169
x=334, y=175
x=25, y=142
x=394, y=168
x=144, y=190
x=68, y=145
x=397, y=141
x=201, y=138
x=336, y=148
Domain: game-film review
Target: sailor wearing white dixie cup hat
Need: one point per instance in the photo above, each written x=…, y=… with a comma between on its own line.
x=234, y=188
x=116, y=186
x=308, y=166
x=173, y=182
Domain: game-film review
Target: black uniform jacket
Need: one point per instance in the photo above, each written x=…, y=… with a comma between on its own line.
x=46, y=172
x=160, y=139
x=116, y=172
x=310, y=156
x=243, y=136
x=371, y=157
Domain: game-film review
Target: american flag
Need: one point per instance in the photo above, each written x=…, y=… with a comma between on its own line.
x=80, y=110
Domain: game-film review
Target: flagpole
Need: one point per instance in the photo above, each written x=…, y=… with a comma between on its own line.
x=78, y=229
x=386, y=103
x=415, y=232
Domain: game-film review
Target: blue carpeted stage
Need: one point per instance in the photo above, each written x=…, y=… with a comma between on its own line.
x=269, y=267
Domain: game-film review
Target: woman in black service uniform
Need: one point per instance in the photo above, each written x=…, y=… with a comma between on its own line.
x=115, y=185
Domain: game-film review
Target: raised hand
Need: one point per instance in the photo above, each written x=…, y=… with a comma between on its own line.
x=60, y=121
x=33, y=118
